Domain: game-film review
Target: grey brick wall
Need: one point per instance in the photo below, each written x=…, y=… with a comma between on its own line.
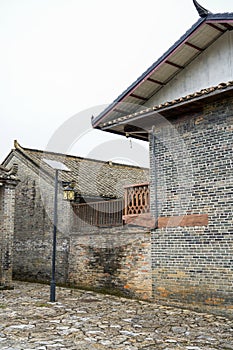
x=7, y=213
x=34, y=226
x=192, y=162
x=112, y=259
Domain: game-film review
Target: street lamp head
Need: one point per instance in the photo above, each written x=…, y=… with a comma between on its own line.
x=69, y=191
x=56, y=165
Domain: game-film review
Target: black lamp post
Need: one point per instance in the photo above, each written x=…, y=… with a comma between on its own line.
x=57, y=166
x=53, y=282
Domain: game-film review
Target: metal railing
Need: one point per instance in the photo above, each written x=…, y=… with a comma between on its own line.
x=112, y=213
x=101, y=214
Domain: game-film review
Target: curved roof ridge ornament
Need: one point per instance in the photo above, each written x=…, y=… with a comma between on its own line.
x=201, y=10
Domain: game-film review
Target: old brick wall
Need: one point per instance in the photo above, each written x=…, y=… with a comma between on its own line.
x=1, y=231
x=7, y=214
x=109, y=259
x=112, y=259
x=34, y=226
x=192, y=164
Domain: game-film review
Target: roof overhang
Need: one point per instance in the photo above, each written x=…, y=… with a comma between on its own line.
x=197, y=39
x=139, y=124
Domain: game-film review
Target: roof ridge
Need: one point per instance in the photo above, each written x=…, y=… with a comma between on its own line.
x=203, y=12
x=19, y=147
x=111, y=163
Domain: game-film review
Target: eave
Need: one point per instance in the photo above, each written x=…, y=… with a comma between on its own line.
x=196, y=40
x=139, y=124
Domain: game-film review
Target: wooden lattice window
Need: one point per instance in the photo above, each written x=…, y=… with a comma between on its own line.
x=137, y=199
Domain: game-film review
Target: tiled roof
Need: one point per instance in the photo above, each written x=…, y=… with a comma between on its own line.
x=193, y=43
x=8, y=174
x=3, y=170
x=157, y=108
x=93, y=177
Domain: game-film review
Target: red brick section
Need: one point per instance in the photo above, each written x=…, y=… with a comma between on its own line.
x=183, y=220
x=146, y=220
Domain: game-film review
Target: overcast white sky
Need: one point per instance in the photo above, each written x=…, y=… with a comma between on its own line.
x=65, y=58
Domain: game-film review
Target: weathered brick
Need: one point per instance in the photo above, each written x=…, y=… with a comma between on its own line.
x=194, y=176
x=109, y=259
x=7, y=212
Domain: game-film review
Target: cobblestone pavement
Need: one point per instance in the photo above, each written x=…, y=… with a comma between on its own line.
x=82, y=320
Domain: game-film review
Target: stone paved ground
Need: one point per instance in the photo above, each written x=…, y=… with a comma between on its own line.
x=82, y=320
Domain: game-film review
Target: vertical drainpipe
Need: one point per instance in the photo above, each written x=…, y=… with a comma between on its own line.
x=155, y=171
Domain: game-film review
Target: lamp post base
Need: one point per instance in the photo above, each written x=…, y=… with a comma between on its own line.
x=52, y=292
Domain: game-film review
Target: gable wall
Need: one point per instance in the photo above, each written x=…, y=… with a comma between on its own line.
x=213, y=66
x=34, y=226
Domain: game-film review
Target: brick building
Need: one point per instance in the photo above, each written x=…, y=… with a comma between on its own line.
x=94, y=249
x=183, y=105
x=8, y=182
